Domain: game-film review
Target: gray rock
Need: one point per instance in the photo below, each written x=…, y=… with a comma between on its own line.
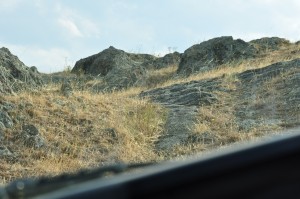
x=31, y=137
x=102, y=63
x=2, y=126
x=182, y=102
x=30, y=129
x=1, y=134
x=34, y=141
x=212, y=53
x=6, y=120
x=66, y=88
x=280, y=108
x=267, y=44
x=118, y=69
x=7, y=106
x=14, y=75
x=171, y=59
x=5, y=152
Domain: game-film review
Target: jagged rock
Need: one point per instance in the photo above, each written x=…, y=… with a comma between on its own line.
x=171, y=59
x=194, y=93
x=266, y=44
x=119, y=69
x=182, y=101
x=278, y=85
x=14, y=75
x=2, y=127
x=5, y=152
x=66, y=88
x=30, y=129
x=31, y=137
x=6, y=106
x=102, y=63
x=6, y=119
x=120, y=78
x=214, y=52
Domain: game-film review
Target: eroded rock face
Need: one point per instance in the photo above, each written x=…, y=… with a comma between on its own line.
x=267, y=44
x=14, y=75
x=31, y=137
x=171, y=59
x=272, y=95
x=5, y=120
x=182, y=101
x=118, y=68
x=214, y=52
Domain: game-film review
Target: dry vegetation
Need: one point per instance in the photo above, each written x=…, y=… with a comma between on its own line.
x=88, y=130
x=84, y=130
x=217, y=124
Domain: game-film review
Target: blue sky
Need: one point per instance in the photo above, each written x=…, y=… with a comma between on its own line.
x=51, y=34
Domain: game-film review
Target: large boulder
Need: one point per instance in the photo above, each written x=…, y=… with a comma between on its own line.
x=214, y=52
x=14, y=75
x=117, y=68
x=102, y=63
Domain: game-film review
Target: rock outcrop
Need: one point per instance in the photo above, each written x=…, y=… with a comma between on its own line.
x=214, y=52
x=266, y=98
x=271, y=95
x=171, y=59
x=267, y=44
x=14, y=75
x=182, y=101
x=119, y=69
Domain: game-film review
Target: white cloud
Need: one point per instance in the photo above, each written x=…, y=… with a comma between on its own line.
x=70, y=26
x=75, y=23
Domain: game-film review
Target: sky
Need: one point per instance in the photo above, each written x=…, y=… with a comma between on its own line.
x=54, y=34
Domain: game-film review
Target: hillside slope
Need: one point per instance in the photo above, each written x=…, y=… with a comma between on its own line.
x=43, y=131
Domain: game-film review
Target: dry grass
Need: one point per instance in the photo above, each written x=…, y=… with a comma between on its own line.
x=88, y=130
x=84, y=130
x=268, y=58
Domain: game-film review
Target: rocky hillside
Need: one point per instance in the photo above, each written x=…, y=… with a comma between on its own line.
x=120, y=70
x=216, y=93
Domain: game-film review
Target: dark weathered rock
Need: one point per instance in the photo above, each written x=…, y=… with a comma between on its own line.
x=31, y=137
x=34, y=141
x=118, y=68
x=66, y=88
x=30, y=129
x=182, y=101
x=14, y=75
x=5, y=152
x=102, y=63
x=194, y=93
x=273, y=94
x=214, y=52
x=6, y=119
x=2, y=127
x=267, y=44
x=6, y=106
x=171, y=59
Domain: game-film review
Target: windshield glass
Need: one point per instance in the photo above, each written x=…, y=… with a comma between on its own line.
x=90, y=84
